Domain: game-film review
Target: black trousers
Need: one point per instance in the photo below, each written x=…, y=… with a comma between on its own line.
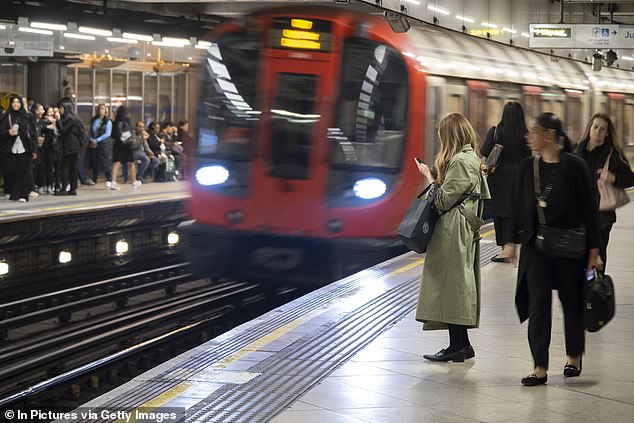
x=101, y=156
x=567, y=276
x=69, y=171
x=23, y=175
x=7, y=163
x=503, y=230
x=603, y=242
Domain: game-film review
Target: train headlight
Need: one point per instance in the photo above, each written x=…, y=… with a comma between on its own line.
x=4, y=268
x=369, y=188
x=212, y=175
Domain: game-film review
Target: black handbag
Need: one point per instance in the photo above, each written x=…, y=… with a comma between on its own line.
x=557, y=242
x=493, y=158
x=419, y=221
x=418, y=224
x=600, y=302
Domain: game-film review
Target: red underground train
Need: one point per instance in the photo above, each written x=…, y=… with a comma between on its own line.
x=304, y=121
x=309, y=119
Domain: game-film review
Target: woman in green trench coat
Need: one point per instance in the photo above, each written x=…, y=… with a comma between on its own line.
x=449, y=296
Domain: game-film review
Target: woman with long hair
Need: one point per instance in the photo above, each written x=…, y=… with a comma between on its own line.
x=554, y=187
x=510, y=132
x=449, y=296
x=599, y=143
x=121, y=151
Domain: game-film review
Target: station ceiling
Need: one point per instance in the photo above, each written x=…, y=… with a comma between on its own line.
x=505, y=21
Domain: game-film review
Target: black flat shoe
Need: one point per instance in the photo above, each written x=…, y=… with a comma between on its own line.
x=500, y=259
x=532, y=380
x=444, y=356
x=468, y=352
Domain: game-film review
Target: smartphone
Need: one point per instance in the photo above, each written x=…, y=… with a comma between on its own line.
x=590, y=274
x=419, y=160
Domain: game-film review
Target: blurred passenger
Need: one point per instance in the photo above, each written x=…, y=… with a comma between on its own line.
x=567, y=202
x=597, y=144
x=100, y=148
x=449, y=296
x=51, y=166
x=184, y=140
x=70, y=139
x=511, y=133
x=18, y=149
x=57, y=164
x=43, y=172
x=121, y=150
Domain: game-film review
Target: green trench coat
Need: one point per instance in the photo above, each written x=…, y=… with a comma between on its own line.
x=450, y=288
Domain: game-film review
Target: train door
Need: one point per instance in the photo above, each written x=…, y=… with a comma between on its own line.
x=435, y=109
x=298, y=94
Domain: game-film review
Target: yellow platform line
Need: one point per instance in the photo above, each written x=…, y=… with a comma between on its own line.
x=175, y=391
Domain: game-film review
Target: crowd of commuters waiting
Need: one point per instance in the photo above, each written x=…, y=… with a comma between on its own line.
x=539, y=180
x=45, y=149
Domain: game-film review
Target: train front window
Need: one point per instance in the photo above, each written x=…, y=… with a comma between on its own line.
x=372, y=107
x=293, y=117
x=228, y=105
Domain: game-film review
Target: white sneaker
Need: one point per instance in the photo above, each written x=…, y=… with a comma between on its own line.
x=108, y=184
x=22, y=200
x=33, y=194
x=136, y=184
x=114, y=186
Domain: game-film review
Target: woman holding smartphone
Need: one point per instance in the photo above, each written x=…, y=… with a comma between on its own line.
x=449, y=296
x=566, y=201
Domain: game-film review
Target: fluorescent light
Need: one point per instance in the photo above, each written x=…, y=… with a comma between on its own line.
x=464, y=18
x=203, y=45
x=78, y=36
x=414, y=2
x=437, y=9
x=489, y=25
x=95, y=31
x=35, y=31
x=525, y=34
x=172, y=42
x=627, y=58
x=139, y=37
x=3, y=27
x=45, y=25
x=121, y=40
x=512, y=31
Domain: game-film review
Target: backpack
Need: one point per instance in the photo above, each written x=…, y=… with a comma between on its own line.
x=82, y=135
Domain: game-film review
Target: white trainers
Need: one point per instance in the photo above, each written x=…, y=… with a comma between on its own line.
x=113, y=186
x=33, y=194
x=136, y=184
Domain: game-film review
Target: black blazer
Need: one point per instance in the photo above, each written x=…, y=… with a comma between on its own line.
x=571, y=203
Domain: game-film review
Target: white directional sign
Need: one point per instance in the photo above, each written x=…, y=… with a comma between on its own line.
x=581, y=36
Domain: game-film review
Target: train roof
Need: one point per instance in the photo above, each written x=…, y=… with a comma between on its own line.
x=449, y=53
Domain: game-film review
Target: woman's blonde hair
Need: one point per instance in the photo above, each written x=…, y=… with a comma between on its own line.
x=454, y=131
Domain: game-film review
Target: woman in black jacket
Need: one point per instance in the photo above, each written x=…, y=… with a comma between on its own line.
x=70, y=138
x=121, y=149
x=595, y=147
x=17, y=149
x=510, y=133
x=567, y=201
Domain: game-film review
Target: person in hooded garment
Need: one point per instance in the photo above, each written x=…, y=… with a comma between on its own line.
x=17, y=150
x=122, y=152
x=70, y=139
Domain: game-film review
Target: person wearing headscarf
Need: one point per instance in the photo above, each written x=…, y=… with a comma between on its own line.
x=17, y=150
x=70, y=138
x=122, y=151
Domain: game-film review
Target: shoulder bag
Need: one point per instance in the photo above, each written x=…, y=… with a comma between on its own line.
x=600, y=302
x=493, y=158
x=557, y=242
x=417, y=226
x=611, y=197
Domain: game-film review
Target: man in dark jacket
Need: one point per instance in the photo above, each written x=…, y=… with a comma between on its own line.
x=70, y=138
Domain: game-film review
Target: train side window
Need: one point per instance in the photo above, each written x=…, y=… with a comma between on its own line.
x=628, y=129
x=371, y=108
x=227, y=110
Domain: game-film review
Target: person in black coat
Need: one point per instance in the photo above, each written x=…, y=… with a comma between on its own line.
x=70, y=138
x=121, y=149
x=510, y=133
x=567, y=201
x=595, y=147
x=17, y=150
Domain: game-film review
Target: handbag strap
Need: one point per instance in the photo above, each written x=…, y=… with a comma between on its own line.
x=541, y=197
